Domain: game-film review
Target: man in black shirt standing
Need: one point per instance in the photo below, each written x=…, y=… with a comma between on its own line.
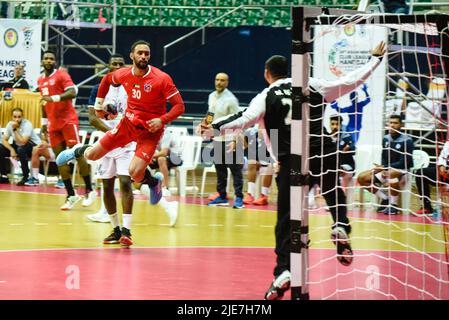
x=272, y=109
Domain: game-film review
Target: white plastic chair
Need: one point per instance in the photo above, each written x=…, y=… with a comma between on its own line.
x=191, y=152
x=178, y=131
x=211, y=169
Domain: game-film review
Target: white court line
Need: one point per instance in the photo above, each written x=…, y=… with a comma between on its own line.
x=265, y=226
x=199, y=247
x=240, y=225
x=215, y=225
x=16, y=224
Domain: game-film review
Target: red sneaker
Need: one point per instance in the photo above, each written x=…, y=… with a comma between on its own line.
x=248, y=198
x=125, y=239
x=423, y=211
x=214, y=196
x=262, y=201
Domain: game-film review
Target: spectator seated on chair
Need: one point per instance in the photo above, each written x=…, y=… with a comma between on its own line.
x=397, y=159
x=168, y=156
x=24, y=139
x=430, y=176
x=43, y=149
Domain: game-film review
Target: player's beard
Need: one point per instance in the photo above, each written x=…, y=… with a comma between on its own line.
x=141, y=64
x=49, y=68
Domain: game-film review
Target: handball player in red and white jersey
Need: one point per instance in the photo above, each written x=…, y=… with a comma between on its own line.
x=148, y=90
x=60, y=118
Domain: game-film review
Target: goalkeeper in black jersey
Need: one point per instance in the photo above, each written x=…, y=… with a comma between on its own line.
x=272, y=109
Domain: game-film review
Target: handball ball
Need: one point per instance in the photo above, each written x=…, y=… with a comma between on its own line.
x=110, y=110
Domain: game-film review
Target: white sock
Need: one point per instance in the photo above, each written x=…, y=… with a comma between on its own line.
x=35, y=173
x=114, y=220
x=251, y=188
x=381, y=195
x=127, y=220
x=265, y=191
x=394, y=199
x=163, y=202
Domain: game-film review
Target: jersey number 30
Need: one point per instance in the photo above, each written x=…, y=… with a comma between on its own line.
x=136, y=94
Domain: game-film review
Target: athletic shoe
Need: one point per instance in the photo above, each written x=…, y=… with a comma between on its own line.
x=248, y=198
x=218, y=202
x=279, y=286
x=22, y=182
x=32, y=182
x=341, y=240
x=70, y=202
x=390, y=210
x=213, y=196
x=383, y=205
x=166, y=192
x=67, y=155
x=424, y=212
x=114, y=237
x=156, y=191
x=125, y=239
x=238, y=203
x=171, y=209
x=60, y=184
x=261, y=201
x=99, y=216
x=4, y=180
x=145, y=190
x=89, y=198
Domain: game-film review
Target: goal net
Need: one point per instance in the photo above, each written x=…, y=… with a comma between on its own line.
x=386, y=166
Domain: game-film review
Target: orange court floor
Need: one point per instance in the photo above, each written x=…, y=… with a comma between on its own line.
x=211, y=253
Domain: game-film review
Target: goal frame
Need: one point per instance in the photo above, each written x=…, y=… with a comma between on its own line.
x=303, y=18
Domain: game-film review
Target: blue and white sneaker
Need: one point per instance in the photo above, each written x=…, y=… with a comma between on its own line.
x=156, y=191
x=32, y=182
x=67, y=155
x=219, y=201
x=60, y=184
x=238, y=203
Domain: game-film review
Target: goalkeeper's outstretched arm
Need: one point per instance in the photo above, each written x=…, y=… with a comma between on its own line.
x=332, y=90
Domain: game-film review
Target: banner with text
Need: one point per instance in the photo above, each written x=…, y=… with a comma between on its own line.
x=342, y=49
x=20, y=43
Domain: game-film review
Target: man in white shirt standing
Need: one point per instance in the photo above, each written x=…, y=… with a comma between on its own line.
x=222, y=102
x=24, y=139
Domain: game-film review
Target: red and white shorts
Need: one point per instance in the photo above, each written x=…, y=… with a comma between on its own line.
x=125, y=132
x=68, y=134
